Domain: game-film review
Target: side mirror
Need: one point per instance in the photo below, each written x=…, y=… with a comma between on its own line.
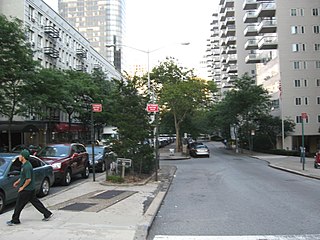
x=75, y=155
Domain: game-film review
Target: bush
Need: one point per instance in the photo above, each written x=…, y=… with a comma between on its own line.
x=115, y=179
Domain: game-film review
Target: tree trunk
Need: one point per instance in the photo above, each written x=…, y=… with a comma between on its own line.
x=178, y=140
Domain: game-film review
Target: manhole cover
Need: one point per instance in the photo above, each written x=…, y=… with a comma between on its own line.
x=78, y=206
x=108, y=194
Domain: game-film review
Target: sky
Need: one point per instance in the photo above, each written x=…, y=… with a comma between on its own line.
x=160, y=26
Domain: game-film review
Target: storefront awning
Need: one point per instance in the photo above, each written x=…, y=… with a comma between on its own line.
x=64, y=127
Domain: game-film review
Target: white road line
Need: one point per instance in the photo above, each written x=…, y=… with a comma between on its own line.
x=260, y=237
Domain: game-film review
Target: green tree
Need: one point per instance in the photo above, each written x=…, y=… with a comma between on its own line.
x=17, y=67
x=181, y=93
x=129, y=115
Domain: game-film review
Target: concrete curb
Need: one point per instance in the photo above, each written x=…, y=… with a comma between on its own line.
x=293, y=171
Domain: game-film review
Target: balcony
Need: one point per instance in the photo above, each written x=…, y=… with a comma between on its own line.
x=231, y=49
x=268, y=43
x=227, y=85
x=51, y=31
x=230, y=20
x=229, y=12
x=231, y=40
x=81, y=53
x=223, y=58
x=251, y=30
x=232, y=69
x=250, y=17
x=267, y=9
x=253, y=58
x=267, y=26
x=251, y=44
x=81, y=68
x=231, y=78
x=231, y=30
x=250, y=4
x=51, y=52
x=232, y=59
x=223, y=50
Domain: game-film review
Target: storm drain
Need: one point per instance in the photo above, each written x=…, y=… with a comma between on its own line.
x=78, y=206
x=94, y=201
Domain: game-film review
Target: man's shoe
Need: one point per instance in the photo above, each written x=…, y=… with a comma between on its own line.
x=47, y=218
x=10, y=223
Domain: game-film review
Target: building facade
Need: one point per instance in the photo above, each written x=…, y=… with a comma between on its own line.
x=102, y=22
x=56, y=44
x=277, y=43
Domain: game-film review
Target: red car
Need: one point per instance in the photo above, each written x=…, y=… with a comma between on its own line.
x=67, y=161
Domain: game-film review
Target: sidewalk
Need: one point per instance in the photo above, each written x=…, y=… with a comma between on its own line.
x=94, y=210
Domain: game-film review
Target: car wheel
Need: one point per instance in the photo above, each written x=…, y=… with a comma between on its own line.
x=66, y=178
x=2, y=202
x=45, y=188
x=86, y=172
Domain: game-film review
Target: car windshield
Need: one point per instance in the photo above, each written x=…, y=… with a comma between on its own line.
x=55, y=151
x=97, y=150
x=201, y=146
x=3, y=166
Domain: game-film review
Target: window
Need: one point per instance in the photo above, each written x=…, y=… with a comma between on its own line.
x=318, y=118
x=299, y=65
x=317, y=64
x=317, y=46
x=298, y=101
x=297, y=29
x=298, y=47
x=296, y=12
x=316, y=29
x=306, y=101
x=298, y=119
x=297, y=83
x=318, y=100
x=305, y=83
x=315, y=12
x=318, y=82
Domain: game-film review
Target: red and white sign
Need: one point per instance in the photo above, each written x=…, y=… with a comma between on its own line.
x=304, y=115
x=96, y=107
x=152, y=107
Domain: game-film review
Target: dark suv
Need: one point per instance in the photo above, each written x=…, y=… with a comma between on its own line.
x=67, y=160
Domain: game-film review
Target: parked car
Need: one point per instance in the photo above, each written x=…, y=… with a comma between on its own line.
x=67, y=161
x=10, y=168
x=200, y=150
x=191, y=146
x=100, y=156
x=33, y=149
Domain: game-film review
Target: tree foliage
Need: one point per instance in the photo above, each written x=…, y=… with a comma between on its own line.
x=17, y=67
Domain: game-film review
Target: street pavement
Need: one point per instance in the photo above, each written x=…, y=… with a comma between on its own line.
x=98, y=210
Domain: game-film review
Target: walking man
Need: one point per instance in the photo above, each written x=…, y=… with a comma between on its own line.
x=26, y=191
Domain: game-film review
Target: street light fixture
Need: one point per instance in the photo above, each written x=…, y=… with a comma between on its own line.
x=148, y=53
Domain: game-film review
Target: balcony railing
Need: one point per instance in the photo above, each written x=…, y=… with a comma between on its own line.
x=250, y=17
x=267, y=9
x=51, y=31
x=268, y=42
x=50, y=51
x=251, y=30
x=81, y=53
x=251, y=44
x=267, y=26
x=250, y=4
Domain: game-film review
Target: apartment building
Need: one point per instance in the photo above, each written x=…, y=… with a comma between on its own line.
x=100, y=21
x=278, y=44
x=56, y=44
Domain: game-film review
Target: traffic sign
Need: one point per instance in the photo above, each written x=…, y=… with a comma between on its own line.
x=96, y=107
x=304, y=115
x=152, y=107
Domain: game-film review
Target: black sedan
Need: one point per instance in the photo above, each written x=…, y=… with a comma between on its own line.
x=10, y=168
x=101, y=153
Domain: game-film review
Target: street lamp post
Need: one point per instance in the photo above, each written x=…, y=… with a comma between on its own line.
x=156, y=133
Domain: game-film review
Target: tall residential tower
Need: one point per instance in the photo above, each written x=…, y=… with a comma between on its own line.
x=100, y=21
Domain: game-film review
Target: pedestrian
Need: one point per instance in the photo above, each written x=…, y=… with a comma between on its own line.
x=26, y=191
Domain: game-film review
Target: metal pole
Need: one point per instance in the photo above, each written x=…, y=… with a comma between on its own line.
x=302, y=143
x=92, y=145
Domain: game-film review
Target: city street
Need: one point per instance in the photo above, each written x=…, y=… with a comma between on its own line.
x=231, y=194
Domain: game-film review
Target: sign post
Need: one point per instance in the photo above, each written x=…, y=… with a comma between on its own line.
x=303, y=149
x=95, y=107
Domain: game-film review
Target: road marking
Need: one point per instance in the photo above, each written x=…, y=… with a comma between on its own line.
x=258, y=237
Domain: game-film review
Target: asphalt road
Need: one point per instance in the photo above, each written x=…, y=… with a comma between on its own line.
x=229, y=194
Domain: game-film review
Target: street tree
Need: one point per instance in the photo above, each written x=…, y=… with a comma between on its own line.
x=181, y=93
x=129, y=115
x=17, y=67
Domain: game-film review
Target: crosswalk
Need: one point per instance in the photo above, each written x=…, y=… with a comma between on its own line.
x=258, y=237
